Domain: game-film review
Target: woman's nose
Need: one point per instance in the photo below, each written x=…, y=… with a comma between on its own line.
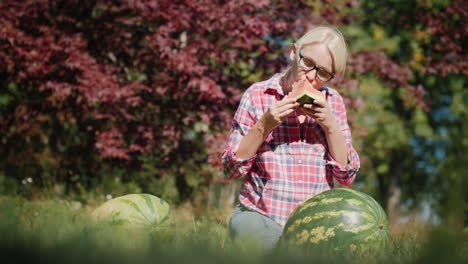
x=311, y=75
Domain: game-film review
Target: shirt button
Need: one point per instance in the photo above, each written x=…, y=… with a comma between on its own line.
x=299, y=181
x=299, y=161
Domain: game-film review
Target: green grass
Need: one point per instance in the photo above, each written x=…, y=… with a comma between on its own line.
x=59, y=232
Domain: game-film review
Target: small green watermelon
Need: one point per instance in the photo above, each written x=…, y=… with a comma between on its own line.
x=136, y=211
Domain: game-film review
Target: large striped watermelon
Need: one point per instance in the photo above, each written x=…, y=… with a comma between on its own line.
x=136, y=211
x=338, y=219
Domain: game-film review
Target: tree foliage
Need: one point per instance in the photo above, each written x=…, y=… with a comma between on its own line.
x=411, y=162
x=105, y=85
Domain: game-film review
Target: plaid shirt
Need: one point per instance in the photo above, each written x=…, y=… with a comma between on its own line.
x=287, y=168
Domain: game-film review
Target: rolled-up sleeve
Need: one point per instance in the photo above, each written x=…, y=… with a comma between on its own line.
x=343, y=174
x=243, y=121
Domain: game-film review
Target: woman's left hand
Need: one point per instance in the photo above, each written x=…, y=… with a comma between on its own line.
x=321, y=112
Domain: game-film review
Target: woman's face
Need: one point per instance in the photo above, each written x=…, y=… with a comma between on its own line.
x=312, y=55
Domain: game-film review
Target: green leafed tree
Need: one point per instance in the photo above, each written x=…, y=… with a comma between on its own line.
x=412, y=148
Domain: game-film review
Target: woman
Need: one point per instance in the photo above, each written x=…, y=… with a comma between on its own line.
x=286, y=152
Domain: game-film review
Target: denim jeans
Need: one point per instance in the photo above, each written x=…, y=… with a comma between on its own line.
x=253, y=226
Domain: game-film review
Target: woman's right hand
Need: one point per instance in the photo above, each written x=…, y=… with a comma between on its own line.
x=278, y=112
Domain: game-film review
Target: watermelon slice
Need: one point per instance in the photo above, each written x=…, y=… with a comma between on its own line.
x=304, y=93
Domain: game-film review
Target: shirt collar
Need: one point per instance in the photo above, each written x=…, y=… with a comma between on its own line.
x=273, y=85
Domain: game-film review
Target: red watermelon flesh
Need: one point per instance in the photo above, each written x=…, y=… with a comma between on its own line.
x=304, y=92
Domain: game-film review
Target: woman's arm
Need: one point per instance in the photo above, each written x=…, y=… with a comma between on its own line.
x=269, y=120
x=342, y=159
x=336, y=141
x=337, y=144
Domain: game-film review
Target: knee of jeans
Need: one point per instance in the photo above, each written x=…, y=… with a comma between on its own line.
x=241, y=222
x=247, y=223
x=251, y=227
x=235, y=224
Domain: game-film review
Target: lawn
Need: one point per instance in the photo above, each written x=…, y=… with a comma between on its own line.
x=58, y=231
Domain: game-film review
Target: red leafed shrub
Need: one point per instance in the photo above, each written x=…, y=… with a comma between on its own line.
x=94, y=85
x=448, y=38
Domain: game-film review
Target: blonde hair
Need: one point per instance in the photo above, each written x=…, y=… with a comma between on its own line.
x=333, y=39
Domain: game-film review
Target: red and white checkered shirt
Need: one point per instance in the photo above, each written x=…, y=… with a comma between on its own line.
x=286, y=170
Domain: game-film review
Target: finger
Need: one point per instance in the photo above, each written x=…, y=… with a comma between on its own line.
x=308, y=106
x=308, y=112
x=287, y=100
x=285, y=107
x=313, y=108
x=286, y=113
x=324, y=92
x=285, y=103
x=319, y=117
x=320, y=102
x=279, y=112
x=318, y=109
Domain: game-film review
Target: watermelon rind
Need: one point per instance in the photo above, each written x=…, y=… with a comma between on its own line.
x=306, y=98
x=338, y=219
